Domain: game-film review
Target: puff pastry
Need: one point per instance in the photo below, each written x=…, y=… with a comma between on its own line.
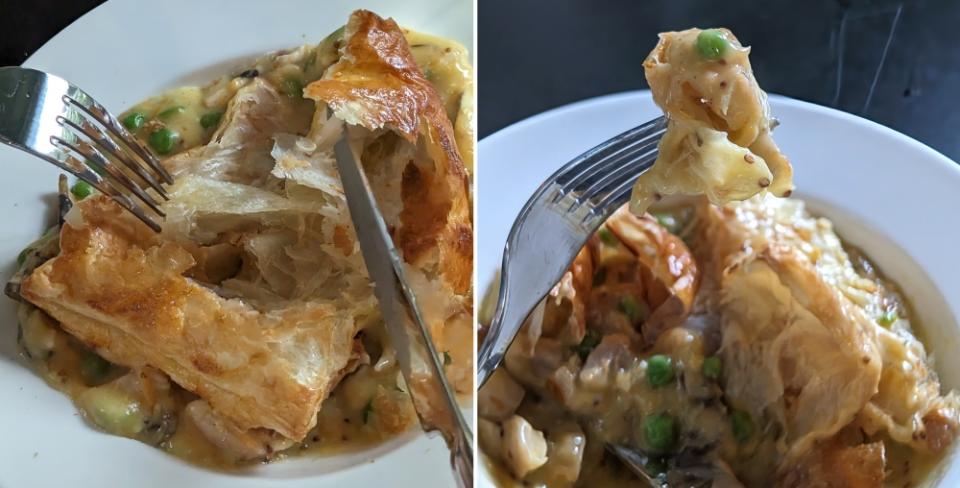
x=253, y=295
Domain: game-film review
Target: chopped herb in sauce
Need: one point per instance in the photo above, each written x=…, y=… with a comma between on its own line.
x=655, y=467
x=712, y=367
x=447, y=360
x=607, y=237
x=629, y=307
x=171, y=111
x=668, y=221
x=888, y=318
x=292, y=87
x=211, y=119
x=742, y=426
x=367, y=411
x=94, y=368
x=589, y=342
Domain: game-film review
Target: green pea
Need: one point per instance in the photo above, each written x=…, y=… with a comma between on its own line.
x=711, y=44
x=94, y=368
x=888, y=318
x=292, y=87
x=607, y=237
x=81, y=189
x=629, y=306
x=210, y=119
x=742, y=425
x=590, y=341
x=171, y=111
x=712, y=367
x=164, y=140
x=660, y=432
x=134, y=120
x=659, y=370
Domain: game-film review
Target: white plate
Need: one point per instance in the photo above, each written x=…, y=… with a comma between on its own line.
x=892, y=196
x=122, y=52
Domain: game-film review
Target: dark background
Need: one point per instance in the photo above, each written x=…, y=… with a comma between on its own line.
x=534, y=55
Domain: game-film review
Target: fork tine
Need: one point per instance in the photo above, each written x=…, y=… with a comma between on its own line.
x=575, y=172
x=621, y=192
x=73, y=166
x=108, y=172
x=623, y=165
x=114, y=177
x=100, y=114
x=111, y=147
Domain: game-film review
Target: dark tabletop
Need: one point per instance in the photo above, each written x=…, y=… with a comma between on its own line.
x=897, y=63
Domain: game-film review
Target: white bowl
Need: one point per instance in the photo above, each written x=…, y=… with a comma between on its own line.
x=121, y=53
x=888, y=194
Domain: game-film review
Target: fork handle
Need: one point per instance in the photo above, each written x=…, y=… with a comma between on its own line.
x=525, y=282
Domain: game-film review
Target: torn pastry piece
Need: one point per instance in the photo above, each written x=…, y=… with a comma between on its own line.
x=828, y=321
x=668, y=271
x=399, y=127
x=794, y=349
x=120, y=288
x=638, y=280
x=718, y=141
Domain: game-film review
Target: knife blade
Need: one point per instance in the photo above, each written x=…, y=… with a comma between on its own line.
x=422, y=369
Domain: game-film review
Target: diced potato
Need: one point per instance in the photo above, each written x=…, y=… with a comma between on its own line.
x=499, y=397
x=524, y=447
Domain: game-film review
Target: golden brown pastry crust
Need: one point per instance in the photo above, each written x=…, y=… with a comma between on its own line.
x=120, y=288
x=377, y=84
x=668, y=262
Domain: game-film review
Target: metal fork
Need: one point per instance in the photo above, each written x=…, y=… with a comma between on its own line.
x=48, y=117
x=556, y=222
